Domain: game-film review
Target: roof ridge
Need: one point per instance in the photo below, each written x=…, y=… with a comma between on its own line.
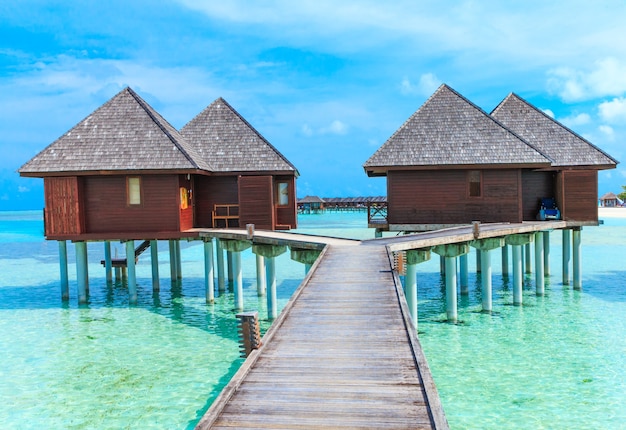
x=153, y=115
x=553, y=120
x=258, y=134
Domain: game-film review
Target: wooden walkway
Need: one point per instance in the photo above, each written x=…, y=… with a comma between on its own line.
x=342, y=354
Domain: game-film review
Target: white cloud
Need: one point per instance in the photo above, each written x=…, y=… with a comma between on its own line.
x=576, y=120
x=22, y=189
x=427, y=85
x=613, y=111
x=335, y=127
x=549, y=113
x=608, y=131
x=306, y=130
x=606, y=78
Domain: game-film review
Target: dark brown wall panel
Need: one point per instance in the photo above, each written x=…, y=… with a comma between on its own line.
x=256, y=201
x=209, y=191
x=442, y=197
x=63, y=206
x=535, y=186
x=106, y=208
x=580, y=195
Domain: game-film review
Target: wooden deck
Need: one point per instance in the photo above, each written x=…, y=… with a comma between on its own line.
x=342, y=354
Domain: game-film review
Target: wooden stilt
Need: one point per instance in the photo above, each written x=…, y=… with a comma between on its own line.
x=546, y=253
x=108, y=266
x=485, y=278
x=451, y=306
x=154, y=259
x=82, y=275
x=478, y=265
x=231, y=276
x=179, y=262
x=528, y=267
x=173, y=261
x=65, y=285
x=567, y=255
x=209, y=282
x=132, y=278
x=505, y=260
x=238, y=280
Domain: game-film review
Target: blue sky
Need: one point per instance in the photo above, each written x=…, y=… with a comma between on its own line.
x=326, y=82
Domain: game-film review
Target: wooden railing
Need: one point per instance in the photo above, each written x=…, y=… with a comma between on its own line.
x=227, y=213
x=377, y=213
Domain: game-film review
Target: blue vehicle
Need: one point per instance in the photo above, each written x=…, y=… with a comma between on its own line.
x=548, y=210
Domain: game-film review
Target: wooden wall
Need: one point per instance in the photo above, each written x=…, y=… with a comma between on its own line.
x=578, y=193
x=63, y=206
x=442, y=197
x=287, y=216
x=211, y=190
x=535, y=186
x=106, y=208
x=256, y=201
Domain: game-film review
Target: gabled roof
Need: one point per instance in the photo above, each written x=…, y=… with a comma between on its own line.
x=609, y=196
x=558, y=142
x=230, y=144
x=124, y=134
x=311, y=199
x=449, y=130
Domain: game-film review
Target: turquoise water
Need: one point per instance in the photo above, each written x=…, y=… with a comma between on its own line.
x=556, y=362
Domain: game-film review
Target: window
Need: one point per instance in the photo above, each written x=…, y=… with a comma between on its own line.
x=283, y=193
x=475, y=183
x=133, y=186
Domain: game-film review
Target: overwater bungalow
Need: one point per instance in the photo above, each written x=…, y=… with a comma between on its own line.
x=125, y=173
x=311, y=205
x=609, y=200
x=452, y=163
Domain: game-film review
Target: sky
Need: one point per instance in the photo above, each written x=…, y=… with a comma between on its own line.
x=326, y=82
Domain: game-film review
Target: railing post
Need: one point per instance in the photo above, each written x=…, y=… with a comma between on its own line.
x=249, y=332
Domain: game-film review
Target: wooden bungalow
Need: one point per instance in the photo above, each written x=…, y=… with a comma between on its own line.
x=452, y=163
x=311, y=205
x=125, y=173
x=609, y=200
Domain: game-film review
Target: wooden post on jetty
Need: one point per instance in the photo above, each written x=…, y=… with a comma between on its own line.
x=450, y=252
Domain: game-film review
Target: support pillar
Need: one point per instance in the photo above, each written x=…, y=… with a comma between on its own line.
x=173, y=261
x=261, y=281
x=546, y=253
x=270, y=252
x=505, y=260
x=484, y=248
x=307, y=268
x=528, y=267
x=567, y=245
x=478, y=263
x=463, y=275
x=517, y=241
x=82, y=274
x=132, y=278
x=238, y=286
x=154, y=260
x=305, y=256
x=576, y=254
x=378, y=233
x=221, y=282
x=108, y=266
x=450, y=252
x=65, y=285
x=413, y=258
x=539, y=277
x=442, y=265
x=209, y=281
x=179, y=262
x=230, y=268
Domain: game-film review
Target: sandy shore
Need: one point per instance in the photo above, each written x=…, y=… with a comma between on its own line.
x=612, y=212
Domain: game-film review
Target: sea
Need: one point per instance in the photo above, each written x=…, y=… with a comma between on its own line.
x=557, y=362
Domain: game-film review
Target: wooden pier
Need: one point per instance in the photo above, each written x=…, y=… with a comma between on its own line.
x=343, y=353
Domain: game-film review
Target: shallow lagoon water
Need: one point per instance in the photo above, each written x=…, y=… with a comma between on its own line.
x=557, y=362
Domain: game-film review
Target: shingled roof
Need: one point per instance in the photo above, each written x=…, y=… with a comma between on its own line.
x=449, y=130
x=558, y=142
x=124, y=134
x=230, y=144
